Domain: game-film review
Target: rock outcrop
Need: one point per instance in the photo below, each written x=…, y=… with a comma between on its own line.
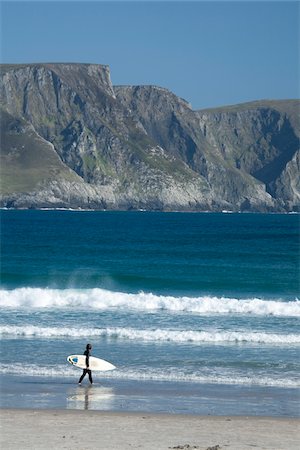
x=72, y=140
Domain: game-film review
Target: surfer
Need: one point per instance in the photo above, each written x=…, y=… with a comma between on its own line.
x=87, y=363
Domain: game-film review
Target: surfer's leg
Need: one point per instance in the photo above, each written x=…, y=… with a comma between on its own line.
x=82, y=376
x=90, y=376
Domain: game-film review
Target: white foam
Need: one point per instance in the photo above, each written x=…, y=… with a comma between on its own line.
x=174, y=375
x=150, y=374
x=152, y=335
x=101, y=299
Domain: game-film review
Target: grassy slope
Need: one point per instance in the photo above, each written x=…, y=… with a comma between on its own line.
x=289, y=106
x=27, y=159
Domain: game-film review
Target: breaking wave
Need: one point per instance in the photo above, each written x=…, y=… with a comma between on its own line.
x=100, y=299
x=152, y=335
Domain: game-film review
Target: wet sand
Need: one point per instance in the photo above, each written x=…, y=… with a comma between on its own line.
x=27, y=392
x=30, y=429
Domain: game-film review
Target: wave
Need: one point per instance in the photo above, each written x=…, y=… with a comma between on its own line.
x=100, y=299
x=135, y=374
x=152, y=335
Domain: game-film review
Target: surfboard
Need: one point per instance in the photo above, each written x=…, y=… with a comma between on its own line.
x=95, y=363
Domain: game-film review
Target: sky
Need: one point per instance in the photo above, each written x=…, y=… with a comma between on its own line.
x=211, y=53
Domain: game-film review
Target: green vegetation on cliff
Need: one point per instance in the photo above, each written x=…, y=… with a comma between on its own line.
x=70, y=138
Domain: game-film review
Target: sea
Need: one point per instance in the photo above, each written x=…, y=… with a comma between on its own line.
x=199, y=312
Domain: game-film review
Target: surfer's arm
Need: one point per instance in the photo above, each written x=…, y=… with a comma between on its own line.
x=87, y=361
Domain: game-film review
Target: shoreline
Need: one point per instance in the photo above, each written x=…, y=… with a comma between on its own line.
x=47, y=429
x=147, y=397
x=4, y=208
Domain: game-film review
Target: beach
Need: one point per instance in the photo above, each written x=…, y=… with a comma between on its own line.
x=61, y=429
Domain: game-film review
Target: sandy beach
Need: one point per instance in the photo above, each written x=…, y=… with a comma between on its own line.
x=87, y=430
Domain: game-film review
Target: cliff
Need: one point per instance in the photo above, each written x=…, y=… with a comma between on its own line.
x=71, y=139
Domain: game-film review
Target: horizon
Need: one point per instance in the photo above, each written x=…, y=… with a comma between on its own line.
x=211, y=54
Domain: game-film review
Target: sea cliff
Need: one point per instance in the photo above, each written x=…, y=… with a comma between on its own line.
x=70, y=139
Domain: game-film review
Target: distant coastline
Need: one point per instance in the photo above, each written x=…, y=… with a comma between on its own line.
x=76, y=141
x=149, y=211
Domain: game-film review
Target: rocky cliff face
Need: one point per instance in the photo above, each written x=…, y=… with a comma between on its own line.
x=71, y=139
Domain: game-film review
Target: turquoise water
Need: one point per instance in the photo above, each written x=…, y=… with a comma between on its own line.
x=177, y=301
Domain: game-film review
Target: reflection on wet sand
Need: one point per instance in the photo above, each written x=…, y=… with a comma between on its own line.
x=90, y=398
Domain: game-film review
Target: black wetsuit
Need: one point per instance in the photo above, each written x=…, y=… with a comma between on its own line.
x=87, y=370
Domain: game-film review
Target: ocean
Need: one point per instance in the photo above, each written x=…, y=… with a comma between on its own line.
x=198, y=311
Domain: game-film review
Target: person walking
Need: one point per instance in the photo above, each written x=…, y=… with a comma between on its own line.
x=87, y=363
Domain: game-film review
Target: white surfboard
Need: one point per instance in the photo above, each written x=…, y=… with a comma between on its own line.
x=94, y=363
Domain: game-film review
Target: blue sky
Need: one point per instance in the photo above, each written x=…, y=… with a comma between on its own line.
x=210, y=53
